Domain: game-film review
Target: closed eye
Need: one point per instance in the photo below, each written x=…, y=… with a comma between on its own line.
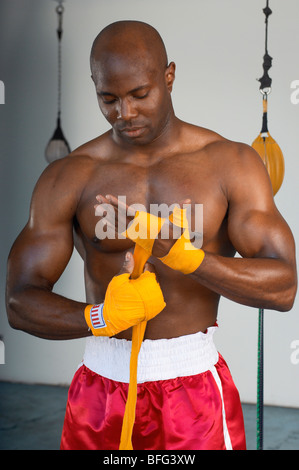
x=142, y=97
x=107, y=98
x=139, y=93
x=109, y=101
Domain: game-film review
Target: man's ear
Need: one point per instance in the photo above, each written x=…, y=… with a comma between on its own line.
x=170, y=75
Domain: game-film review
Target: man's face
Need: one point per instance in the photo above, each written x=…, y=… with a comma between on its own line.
x=134, y=97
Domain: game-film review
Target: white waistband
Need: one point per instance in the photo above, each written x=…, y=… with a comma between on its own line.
x=158, y=359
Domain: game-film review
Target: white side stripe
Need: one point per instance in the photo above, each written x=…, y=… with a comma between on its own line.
x=227, y=440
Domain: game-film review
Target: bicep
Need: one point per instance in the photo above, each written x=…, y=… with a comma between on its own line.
x=39, y=257
x=255, y=226
x=44, y=247
x=259, y=234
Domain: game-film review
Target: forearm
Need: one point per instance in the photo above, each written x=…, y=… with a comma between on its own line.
x=257, y=282
x=42, y=313
x=127, y=302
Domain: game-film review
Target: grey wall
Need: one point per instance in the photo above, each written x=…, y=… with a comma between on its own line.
x=218, y=47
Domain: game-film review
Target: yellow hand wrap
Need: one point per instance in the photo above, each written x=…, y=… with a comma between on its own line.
x=183, y=256
x=143, y=229
x=127, y=302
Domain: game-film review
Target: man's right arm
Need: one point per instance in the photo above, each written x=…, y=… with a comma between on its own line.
x=38, y=258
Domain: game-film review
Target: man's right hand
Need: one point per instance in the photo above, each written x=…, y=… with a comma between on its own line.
x=127, y=301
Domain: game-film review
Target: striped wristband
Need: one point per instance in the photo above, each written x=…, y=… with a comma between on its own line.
x=94, y=316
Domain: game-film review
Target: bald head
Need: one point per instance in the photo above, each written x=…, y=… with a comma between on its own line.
x=133, y=81
x=133, y=41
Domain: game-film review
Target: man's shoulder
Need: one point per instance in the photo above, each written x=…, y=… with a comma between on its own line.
x=201, y=138
x=67, y=174
x=237, y=164
x=230, y=160
x=95, y=149
x=79, y=163
x=221, y=148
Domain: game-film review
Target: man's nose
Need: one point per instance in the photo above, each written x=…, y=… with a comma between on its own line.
x=126, y=110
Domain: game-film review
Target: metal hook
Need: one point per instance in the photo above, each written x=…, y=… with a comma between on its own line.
x=265, y=91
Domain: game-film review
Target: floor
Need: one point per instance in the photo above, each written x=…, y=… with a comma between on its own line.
x=31, y=418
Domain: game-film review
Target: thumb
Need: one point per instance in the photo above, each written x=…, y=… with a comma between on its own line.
x=149, y=267
x=184, y=201
x=128, y=265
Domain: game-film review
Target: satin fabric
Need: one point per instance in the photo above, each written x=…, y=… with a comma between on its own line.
x=184, y=413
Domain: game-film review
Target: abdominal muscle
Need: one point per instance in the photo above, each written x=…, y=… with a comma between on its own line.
x=185, y=313
x=190, y=307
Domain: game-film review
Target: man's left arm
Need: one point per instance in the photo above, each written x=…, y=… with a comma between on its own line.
x=265, y=275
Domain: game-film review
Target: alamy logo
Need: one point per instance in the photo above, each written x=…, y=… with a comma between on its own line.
x=2, y=354
x=295, y=354
x=109, y=225
x=2, y=93
x=295, y=93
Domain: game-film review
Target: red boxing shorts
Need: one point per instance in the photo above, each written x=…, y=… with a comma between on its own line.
x=186, y=398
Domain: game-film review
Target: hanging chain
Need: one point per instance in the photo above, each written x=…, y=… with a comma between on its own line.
x=267, y=12
x=265, y=80
x=59, y=11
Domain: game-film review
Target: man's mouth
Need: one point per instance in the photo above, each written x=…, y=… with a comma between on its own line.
x=132, y=131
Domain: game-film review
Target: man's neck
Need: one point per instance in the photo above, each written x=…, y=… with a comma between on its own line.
x=163, y=144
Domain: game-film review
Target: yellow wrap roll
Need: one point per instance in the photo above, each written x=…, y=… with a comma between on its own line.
x=127, y=302
x=142, y=230
x=141, y=256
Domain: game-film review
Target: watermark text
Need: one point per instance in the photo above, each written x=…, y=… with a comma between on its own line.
x=2, y=93
x=2, y=353
x=114, y=221
x=295, y=93
x=295, y=353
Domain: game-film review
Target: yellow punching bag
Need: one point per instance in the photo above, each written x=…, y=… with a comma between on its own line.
x=270, y=153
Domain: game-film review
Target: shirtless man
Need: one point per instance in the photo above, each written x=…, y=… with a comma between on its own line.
x=151, y=157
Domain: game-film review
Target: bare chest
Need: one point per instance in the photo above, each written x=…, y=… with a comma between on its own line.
x=156, y=189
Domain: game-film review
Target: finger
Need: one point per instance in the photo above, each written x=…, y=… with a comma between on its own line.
x=128, y=264
x=120, y=206
x=100, y=210
x=149, y=267
x=112, y=199
x=101, y=206
x=101, y=199
x=116, y=202
x=184, y=201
